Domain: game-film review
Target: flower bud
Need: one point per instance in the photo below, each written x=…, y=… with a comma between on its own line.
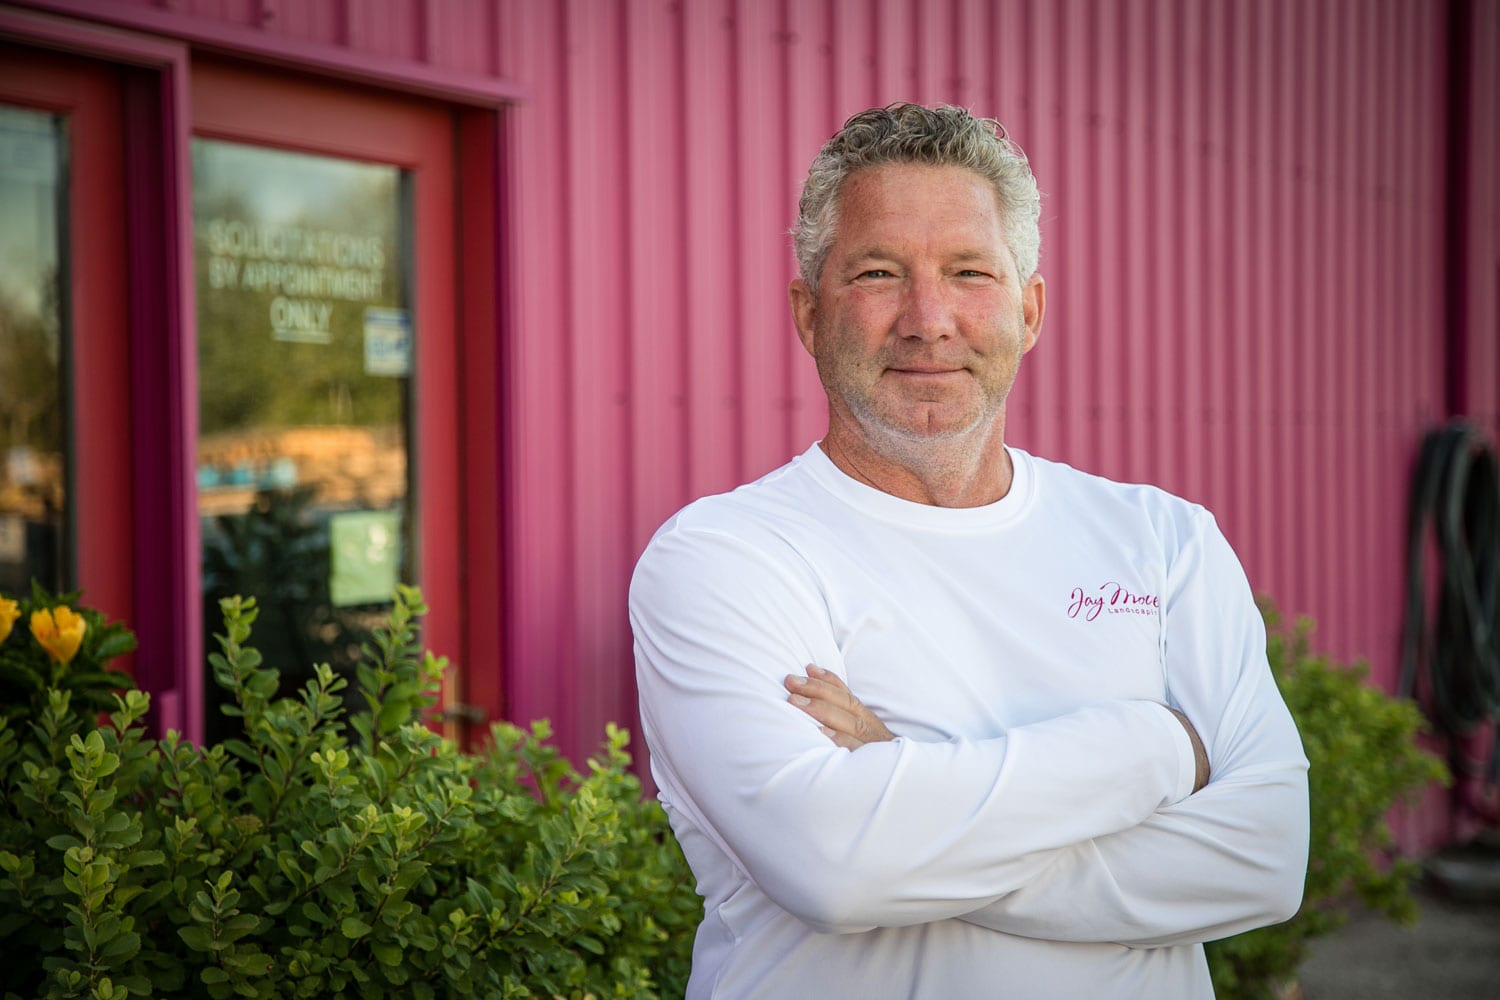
x=59, y=630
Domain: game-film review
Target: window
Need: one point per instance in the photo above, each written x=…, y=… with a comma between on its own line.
x=34, y=537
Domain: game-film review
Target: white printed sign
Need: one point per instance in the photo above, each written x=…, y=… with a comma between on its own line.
x=387, y=342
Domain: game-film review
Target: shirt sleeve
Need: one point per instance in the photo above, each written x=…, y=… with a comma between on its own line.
x=1227, y=859
x=896, y=833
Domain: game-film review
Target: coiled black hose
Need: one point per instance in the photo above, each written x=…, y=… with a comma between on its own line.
x=1456, y=488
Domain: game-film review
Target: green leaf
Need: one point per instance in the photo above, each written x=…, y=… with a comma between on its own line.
x=354, y=928
x=196, y=938
x=114, y=642
x=393, y=715
x=120, y=948
x=387, y=954
x=340, y=895
x=238, y=926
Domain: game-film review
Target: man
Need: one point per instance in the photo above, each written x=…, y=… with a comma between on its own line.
x=933, y=717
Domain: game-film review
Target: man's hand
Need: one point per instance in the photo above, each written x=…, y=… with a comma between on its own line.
x=844, y=718
x=1200, y=755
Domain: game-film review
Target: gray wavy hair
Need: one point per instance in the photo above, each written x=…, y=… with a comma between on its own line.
x=911, y=133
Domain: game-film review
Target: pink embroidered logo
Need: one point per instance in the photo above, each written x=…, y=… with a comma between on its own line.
x=1113, y=599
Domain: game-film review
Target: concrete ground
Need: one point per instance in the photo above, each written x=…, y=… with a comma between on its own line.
x=1453, y=952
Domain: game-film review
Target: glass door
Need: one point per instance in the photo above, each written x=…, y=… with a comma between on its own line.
x=323, y=273
x=305, y=356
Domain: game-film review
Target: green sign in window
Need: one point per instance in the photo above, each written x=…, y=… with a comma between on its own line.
x=366, y=553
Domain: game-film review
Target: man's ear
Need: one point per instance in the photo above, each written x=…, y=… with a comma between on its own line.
x=804, y=308
x=1033, y=309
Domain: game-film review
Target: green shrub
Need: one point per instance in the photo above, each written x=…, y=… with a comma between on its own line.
x=304, y=859
x=1361, y=745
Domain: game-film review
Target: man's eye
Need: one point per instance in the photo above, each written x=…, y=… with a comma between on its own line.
x=969, y=272
x=875, y=272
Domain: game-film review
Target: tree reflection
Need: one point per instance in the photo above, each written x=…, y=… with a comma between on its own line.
x=32, y=419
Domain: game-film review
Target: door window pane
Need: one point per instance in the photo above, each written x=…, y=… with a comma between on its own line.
x=33, y=411
x=305, y=353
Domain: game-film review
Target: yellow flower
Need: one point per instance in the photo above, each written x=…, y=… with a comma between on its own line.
x=59, y=630
x=9, y=612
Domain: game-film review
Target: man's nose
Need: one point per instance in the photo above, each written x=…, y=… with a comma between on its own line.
x=926, y=312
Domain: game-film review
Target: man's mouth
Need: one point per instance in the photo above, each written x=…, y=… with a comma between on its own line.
x=926, y=369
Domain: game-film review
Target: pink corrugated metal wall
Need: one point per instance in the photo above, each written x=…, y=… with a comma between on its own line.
x=1244, y=237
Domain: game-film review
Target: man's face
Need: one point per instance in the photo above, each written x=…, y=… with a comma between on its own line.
x=920, y=318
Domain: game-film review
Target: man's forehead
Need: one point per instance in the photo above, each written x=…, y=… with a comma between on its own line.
x=885, y=203
x=889, y=181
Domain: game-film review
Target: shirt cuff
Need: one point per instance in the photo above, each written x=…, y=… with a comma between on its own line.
x=1187, y=762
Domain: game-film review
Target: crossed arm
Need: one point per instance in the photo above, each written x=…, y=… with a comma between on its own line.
x=1230, y=857
x=846, y=721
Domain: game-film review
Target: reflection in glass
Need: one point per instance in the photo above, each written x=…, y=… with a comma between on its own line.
x=304, y=358
x=33, y=473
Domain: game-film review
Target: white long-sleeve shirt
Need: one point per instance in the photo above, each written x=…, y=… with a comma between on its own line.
x=1030, y=832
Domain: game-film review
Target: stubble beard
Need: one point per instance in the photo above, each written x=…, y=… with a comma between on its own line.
x=901, y=440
